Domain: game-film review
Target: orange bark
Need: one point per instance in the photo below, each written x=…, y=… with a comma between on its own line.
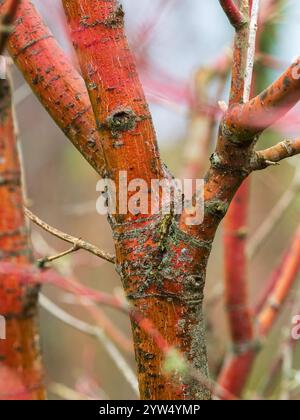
x=244, y=121
x=237, y=369
x=19, y=352
x=235, y=270
x=236, y=293
x=235, y=258
x=286, y=280
x=54, y=80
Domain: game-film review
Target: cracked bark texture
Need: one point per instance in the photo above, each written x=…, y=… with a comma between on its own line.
x=20, y=359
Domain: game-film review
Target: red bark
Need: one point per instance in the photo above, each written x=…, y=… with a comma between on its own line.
x=54, y=80
x=237, y=369
x=235, y=234
x=244, y=121
x=283, y=287
x=19, y=352
x=233, y=13
x=236, y=292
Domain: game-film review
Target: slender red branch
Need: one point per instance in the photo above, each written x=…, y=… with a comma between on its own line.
x=19, y=352
x=244, y=121
x=236, y=288
x=235, y=226
x=244, y=346
x=237, y=369
x=54, y=80
x=270, y=285
x=269, y=313
x=28, y=274
x=236, y=18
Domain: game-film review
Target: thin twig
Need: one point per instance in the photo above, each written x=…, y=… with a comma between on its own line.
x=45, y=260
x=79, y=243
x=95, y=332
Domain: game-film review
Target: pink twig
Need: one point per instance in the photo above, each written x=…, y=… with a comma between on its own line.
x=233, y=13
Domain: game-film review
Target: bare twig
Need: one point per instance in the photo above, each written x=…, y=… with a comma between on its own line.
x=95, y=332
x=275, y=154
x=77, y=242
x=45, y=260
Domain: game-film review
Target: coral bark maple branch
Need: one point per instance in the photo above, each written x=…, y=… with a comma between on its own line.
x=237, y=370
x=54, y=80
x=148, y=247
x=235, y=16
x=280, y=292
x=235, y=234
x=243, y=122
x=19, y=352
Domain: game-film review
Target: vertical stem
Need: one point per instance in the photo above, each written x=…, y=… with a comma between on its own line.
x=236, y=294
x=237, y=367
x=240, y=55
x=235, y=260
x=19, y=352
x=254, y=7
x=162, y=268
x=235, y=227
